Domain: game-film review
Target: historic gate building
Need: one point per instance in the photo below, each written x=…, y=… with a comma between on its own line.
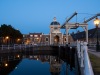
x=54, y=37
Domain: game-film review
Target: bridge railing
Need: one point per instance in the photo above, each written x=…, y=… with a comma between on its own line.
x=15, y=46
x=83, y=58
x=21, y=46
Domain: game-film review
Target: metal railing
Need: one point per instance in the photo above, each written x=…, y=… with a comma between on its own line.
x=83, y=58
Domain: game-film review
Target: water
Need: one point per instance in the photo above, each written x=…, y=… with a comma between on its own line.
x=34, y=65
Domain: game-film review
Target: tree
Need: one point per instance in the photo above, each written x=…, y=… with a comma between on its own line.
x=8, y=30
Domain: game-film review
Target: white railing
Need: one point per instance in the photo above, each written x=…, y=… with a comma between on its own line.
x=83, y=58
x=15, y=46
x=92, y=45
x=21, y=46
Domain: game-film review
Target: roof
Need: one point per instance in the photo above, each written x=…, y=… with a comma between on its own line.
x=35, y=33
x=92, y=33
x=55, y=22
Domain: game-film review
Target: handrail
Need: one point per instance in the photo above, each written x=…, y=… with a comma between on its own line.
x=85, y=65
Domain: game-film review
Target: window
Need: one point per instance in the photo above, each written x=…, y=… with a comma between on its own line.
x=46, y=39
x=31, y=35
x=35, y=35
x=55, y=28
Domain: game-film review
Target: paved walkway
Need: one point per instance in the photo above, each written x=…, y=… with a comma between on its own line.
x=93, y=51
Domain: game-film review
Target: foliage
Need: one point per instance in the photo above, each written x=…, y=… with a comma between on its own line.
x=8, y=30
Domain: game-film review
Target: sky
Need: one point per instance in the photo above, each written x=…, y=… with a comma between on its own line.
x=31, y=16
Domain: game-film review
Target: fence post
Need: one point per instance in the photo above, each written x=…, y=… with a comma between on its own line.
x=29, y=45
x=14, y=46
x=20, y=46
x=2, y=47
x=82, y=57
x=25, y=46
x=8, y=46
x=78, y=49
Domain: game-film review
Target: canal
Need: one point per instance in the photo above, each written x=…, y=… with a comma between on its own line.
x=36, y=63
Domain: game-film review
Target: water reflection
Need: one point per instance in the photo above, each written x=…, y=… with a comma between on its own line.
x=21, y=64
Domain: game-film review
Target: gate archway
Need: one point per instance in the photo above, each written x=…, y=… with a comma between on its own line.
x=56, y=39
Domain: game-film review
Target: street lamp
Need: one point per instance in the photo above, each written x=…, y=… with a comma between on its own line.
x=7, y=38
x=97, y=22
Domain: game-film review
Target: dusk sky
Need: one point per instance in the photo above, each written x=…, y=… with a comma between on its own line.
x=31, y=16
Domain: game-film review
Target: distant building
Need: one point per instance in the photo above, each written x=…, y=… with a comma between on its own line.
x=54, y=37
x=92, y=35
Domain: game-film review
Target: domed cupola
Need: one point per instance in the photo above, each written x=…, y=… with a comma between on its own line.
x=55, y=26
x=55, y=22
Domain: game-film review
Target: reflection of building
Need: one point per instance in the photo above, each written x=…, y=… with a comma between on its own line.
x=54, y=61
x=55, y=36
x=55, y=65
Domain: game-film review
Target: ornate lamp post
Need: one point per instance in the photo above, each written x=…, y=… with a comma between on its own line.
x=97, y=22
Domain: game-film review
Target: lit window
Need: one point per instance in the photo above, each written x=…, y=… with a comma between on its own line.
x=35, y=35
x=31, y=35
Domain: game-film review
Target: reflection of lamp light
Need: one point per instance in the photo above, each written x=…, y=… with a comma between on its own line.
x=6, y=64
x=15, y=67
x=7, y=37
x=97, y=22
x=37, y=59
x=18, y=56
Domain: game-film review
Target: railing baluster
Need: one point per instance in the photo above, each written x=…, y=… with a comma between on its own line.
x=85, y=65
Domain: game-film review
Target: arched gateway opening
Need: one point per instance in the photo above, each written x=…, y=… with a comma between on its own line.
x=56, y=39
